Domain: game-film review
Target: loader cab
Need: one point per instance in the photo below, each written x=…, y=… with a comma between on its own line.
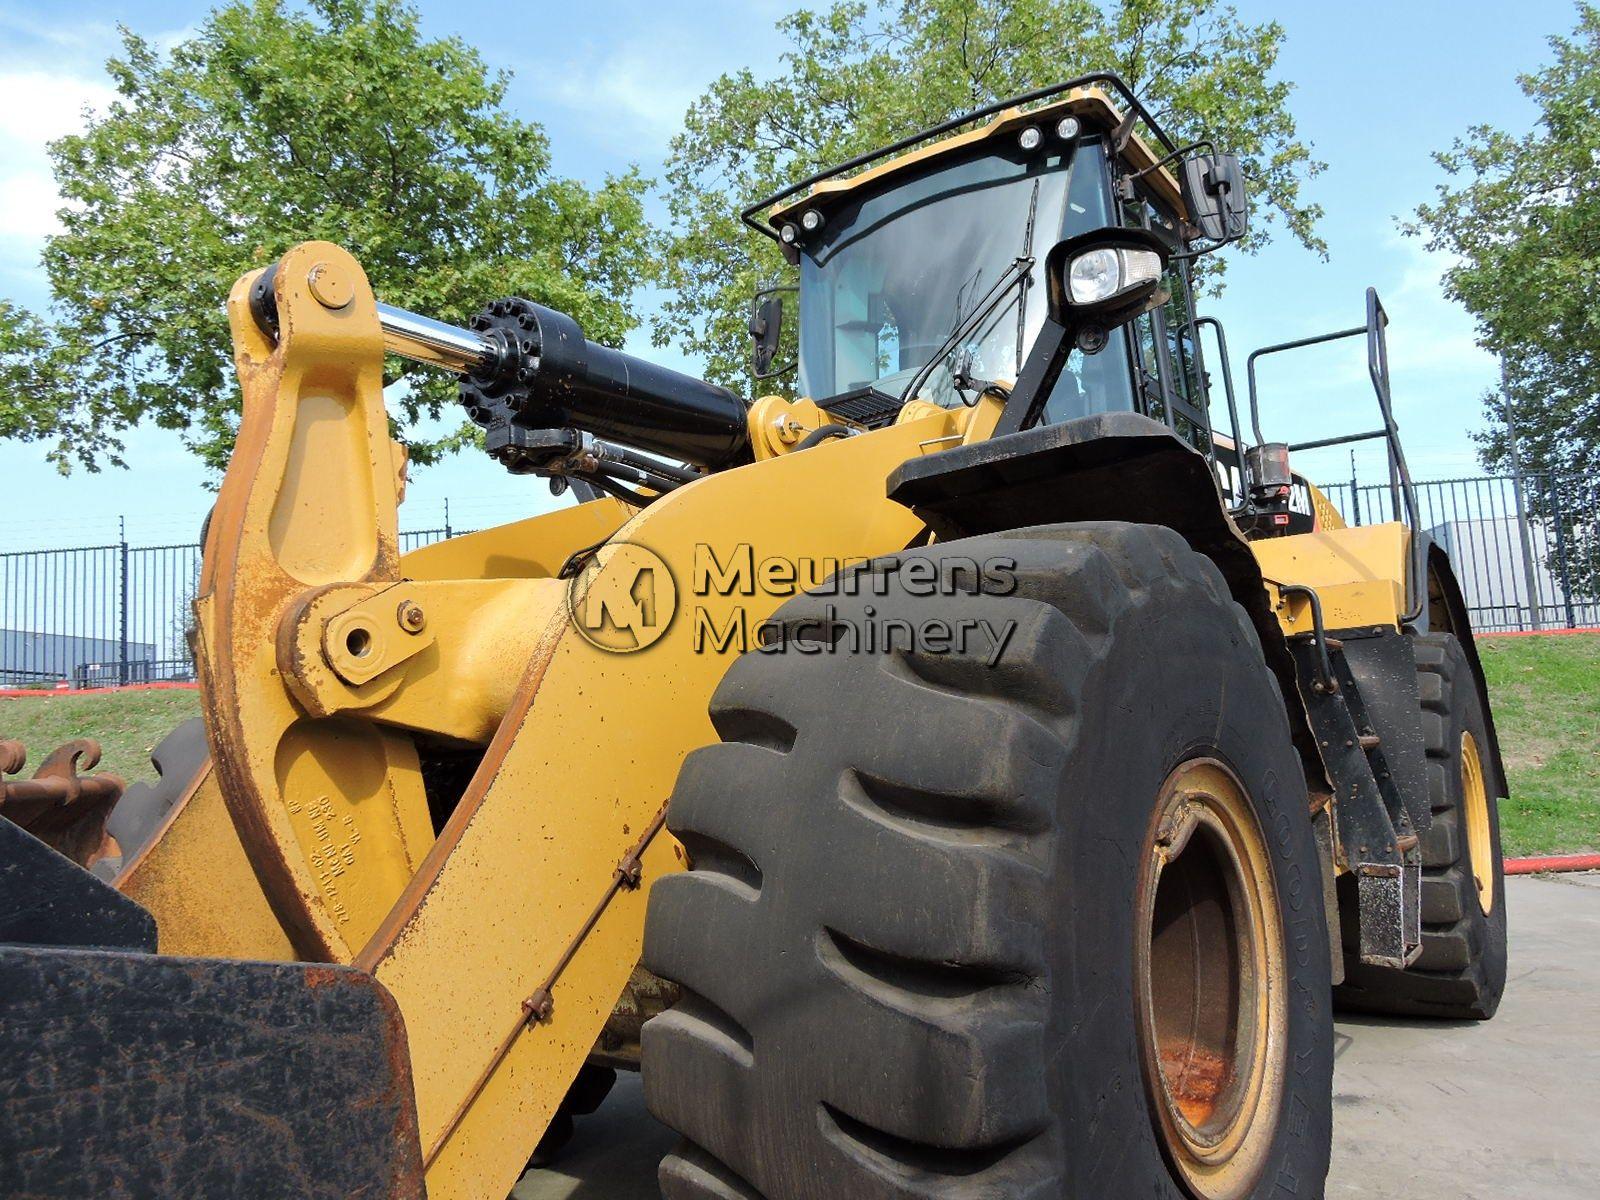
x=892, y=276
x=923, y=277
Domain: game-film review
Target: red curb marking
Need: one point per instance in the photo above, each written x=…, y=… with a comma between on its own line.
x=1553, y=862
x=47, y=693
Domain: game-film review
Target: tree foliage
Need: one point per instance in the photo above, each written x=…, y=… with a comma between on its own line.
x=1520, y=216
x=270, y=126
x=856, y=77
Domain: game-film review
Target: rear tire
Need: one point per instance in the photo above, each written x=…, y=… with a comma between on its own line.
x=1461, y=972
x=912, y=936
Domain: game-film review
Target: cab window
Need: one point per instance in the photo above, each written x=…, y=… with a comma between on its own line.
x=1167, y=366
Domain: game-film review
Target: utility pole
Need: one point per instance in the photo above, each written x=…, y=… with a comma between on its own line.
x=1529, y=572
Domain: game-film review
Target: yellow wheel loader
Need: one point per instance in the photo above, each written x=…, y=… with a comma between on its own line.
x=974, y=775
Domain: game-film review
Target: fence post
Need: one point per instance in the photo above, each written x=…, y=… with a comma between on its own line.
x=122, y=605
x=447, y=534
x=1529, y=575
x=1355, y=492
x=1561, y=553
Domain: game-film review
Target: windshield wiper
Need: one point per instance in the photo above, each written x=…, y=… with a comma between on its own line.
x=1022, y=300
x=1018, y=271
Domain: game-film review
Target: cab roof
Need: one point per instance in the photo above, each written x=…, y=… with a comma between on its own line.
x=1090, y=103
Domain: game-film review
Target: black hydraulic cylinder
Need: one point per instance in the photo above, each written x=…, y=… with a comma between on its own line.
x=527, y=367
x=544, y=374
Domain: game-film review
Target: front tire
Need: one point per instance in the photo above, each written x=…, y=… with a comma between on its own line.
x=926, y=892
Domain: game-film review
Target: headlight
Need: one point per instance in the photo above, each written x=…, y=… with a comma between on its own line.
x=1101, y=274
x=1102, y=279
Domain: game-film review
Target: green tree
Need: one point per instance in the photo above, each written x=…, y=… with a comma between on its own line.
x=1520, y=218
x=857, y=77
x=271, y=126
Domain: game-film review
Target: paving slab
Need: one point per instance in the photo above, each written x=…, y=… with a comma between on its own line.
x=1422, y=1110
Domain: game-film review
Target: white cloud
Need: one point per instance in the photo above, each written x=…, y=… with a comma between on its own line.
x=1432, y=340
x=36, y=107
x=86, y=38
x=1449, y=343
x=634, y=92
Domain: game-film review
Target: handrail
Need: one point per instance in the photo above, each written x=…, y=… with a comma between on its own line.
x=1233, y=405
x=1279, y=348
x=1402, y=491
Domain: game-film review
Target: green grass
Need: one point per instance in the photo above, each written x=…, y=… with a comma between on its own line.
x=126, y=724
x=1546, y=697
x=1545, y=691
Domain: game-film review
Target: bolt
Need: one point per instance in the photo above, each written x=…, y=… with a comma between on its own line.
x=330, y=286
x=411, y=617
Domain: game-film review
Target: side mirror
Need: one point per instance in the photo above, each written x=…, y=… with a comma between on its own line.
x=766, y=329
x=1104, y=279
x=1214, y=194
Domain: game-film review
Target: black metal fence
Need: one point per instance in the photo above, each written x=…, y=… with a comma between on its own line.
x=105, y=616
x=1526, y=550
x=98, y=616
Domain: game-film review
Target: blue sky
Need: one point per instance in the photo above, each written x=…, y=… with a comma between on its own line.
x=1378, y=87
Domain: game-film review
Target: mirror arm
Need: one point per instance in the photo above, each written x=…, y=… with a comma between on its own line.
x=1178, y=153
x=1039, y=375
x=774, y=372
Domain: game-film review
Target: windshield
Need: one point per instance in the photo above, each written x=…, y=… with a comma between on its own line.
x=892, y=276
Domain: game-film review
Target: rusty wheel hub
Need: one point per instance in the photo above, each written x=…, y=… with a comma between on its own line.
x=1210, y=982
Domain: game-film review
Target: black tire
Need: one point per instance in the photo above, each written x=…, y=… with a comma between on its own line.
x=1461, y=972
x=906, y=947
x=177, y=758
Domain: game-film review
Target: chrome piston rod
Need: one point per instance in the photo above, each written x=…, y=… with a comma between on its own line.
x=424, y=340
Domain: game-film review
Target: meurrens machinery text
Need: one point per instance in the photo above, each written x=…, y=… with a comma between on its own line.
x=859, y=629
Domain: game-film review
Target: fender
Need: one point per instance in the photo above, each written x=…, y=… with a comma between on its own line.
x=1118, y=466
x=1444, y=610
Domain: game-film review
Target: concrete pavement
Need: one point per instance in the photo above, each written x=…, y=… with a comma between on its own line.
x=1427, y=1111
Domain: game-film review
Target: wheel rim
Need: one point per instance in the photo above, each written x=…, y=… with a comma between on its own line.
x=1475, y=811
x=1210, y=982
